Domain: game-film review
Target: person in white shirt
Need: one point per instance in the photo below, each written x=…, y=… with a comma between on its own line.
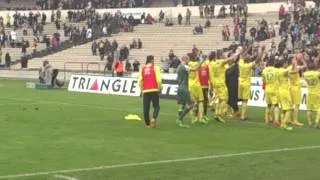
x=89, y=33
x=13, y=35
x=105, y=31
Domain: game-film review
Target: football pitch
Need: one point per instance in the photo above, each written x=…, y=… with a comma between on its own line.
x=55, y=134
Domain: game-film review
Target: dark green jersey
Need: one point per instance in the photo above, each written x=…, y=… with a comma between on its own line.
x=182, y=77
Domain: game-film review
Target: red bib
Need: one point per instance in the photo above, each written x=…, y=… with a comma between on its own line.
x=203, y=73
x=149, y=78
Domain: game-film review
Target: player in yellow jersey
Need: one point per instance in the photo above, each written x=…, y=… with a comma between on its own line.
x=284, y=94
x=218, y=69
x=295, y=88
x=245, y=71
x=312, y=77
x=270, y=78
x=213, y=96
x=196, y=90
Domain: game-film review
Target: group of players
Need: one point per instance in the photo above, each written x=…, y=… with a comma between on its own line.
x=202, y=83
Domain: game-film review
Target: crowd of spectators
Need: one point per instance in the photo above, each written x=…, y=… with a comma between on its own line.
x=83, y=4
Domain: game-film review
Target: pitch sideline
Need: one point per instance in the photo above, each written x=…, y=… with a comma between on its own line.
x=248, y=153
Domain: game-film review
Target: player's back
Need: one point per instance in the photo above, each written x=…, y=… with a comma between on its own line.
x=245, y=71
x=283, y=79
x=219, y=70
x=313, y=81
x=270, y=76
x=294, y=79
x=182, y=76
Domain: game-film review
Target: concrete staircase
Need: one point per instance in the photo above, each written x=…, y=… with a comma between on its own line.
x=162, y=3
x=157, y=40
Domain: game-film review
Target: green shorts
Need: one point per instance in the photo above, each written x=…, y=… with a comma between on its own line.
x=184, y=97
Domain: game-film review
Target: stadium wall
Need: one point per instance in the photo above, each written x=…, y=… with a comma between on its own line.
x=129, y=87
x=173, y=11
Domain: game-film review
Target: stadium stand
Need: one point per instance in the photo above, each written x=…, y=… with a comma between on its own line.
x=157, y=39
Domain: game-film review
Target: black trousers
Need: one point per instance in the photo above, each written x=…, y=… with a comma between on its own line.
x=148, y=98
x=206, y=99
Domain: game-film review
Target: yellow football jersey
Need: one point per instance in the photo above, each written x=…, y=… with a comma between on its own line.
x=283, y=78
x=313, y=81
x=294, y=79
x=245, y=71
x=193, y=74
x=270, y=76
x=218, y=71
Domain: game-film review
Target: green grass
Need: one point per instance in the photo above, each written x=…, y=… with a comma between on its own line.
x=47, y=130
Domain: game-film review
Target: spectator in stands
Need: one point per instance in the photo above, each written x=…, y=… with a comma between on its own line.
x=198, y=29
x=118, y=68
x=13, y=36
x=232, y=9
x=243, y=32
x=89, y=34
x=149, y=19
x=114, y=45
x=143, y=18
x=188, y=17
x=206, y=11
x=179, y=19
x=128, y=66
x=282, y=12
x=136, y=66
x=8, y=20
x=161, y=16
x=168, y=22
x=101, y=49
x=44, y=18
x=201, y=10
x=105, y=31
x=207, y=24
x=212, y=8
x=165, y=65
x=253, y=32
x=134, y=44
x=226, y=33
x=2, y=39
x=7, y=60
x=54, y=42
x=34, y=46
x=124, y=52
x=24, y=47
x=0, y=55
x=94, y=47
x=222, y=12
x=236, y=32
x=139, y=44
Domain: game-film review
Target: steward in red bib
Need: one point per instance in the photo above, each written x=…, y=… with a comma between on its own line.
x=204, y=79
x=150, y=83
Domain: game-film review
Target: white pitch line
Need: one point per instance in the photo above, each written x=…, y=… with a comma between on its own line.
x=65, y=177
x=248, y=153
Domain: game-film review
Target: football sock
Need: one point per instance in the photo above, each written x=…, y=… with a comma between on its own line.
x=200, y=110
x=267, y=115
x=223, y=107
x=309, y=116
x=216, y=112
x=271, y=113
x=180, y=112
x=286, y=118
x=184, y=113
x=318, y=118
x=295, y=113
x=276, y=112
x=243, y=109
